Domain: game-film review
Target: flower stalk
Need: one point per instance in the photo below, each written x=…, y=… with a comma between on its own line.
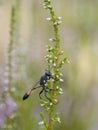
x=9, y=103
x=10, y=48
x=55, y=63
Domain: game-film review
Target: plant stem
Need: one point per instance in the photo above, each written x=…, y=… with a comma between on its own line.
x=14, y=26
x=56, y=46
x=54, y=63
x=10, y=48
x=50, y=121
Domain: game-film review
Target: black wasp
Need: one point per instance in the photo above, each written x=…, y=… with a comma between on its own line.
x=42, y=83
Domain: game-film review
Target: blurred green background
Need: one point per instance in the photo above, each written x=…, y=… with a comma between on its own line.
x=78, y=106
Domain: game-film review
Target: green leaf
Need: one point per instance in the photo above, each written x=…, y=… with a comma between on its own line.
x=65, y=60
x=44, y=120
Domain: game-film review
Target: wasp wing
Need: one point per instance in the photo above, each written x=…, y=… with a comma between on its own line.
x=34, y=87
x=27, y=94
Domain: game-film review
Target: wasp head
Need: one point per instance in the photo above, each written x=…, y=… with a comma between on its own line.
x=48, y=74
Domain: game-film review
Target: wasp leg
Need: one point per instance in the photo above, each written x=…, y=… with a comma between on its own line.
x=45, y=93
x=50, y=89
x=41, y=93
x=35, y=87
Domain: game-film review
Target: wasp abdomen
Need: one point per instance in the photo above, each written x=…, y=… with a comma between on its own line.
x=26, y=95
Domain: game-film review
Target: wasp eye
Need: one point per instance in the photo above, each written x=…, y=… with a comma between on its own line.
x=48, y=74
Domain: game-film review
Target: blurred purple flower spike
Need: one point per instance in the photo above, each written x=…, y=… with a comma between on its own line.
x=7, y=109
x=2, y=114
x=11, y=107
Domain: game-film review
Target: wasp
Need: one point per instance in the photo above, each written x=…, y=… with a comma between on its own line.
x=42, y=83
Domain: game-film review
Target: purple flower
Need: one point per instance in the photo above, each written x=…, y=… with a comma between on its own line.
x=2, y=114
x=11, y=106
x=7, y=109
